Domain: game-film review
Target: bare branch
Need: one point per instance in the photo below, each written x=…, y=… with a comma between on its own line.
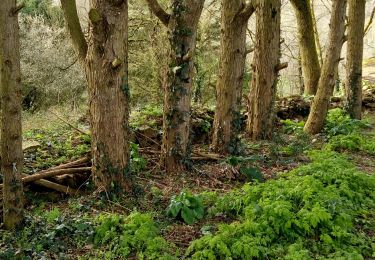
x=281, y=66
x=368, y=26
x=74, y=27
x=17, y=8
x=157, y=10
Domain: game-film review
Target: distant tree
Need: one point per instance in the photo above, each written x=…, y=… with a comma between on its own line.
x=234, y=19
x=354, y=57
x=266, y=66
x=11, y=125
x=327, y=79
x=307, y=46
x=182, y=24
x=105, y=59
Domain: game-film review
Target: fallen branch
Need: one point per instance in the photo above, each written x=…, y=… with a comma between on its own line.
x=69, y=124
x=49, y=174
x=52, y=173
x=54, y=186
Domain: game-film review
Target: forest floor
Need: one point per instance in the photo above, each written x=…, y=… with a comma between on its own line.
x=93, y=226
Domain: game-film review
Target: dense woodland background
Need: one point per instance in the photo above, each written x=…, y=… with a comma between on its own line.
x=187, y=129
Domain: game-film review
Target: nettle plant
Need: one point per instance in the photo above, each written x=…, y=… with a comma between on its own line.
x=187, y=206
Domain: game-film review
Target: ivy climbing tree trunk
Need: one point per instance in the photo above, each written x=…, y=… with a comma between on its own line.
x=234, y=18
x=182, y=25
x=326, y=84
x=11, y=125
x=307, y=46
x=106, y=65
x=266, y=66
x=354, y=58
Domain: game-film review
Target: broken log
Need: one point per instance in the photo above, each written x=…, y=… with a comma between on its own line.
x=52, y=173
x=54, y=186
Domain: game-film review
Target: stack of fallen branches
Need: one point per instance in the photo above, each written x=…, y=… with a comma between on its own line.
x=57, y=174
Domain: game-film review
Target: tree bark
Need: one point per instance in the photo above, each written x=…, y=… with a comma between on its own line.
x=105, y=58
x=182, y=27
x=11, y=125
x=107, y=74
x=307, y=46
x=265, y=70
x=74, y=27
x=230, y=82
x=326, y=84
x=354, y=58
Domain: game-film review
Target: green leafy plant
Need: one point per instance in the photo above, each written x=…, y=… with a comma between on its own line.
x=290, y=126
x=321, y=210
x=186, y=206
x=339, y=123
x=137, y=162
x=353, y=142
x=137, y=233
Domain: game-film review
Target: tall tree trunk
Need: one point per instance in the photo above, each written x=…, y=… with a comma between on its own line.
x=308, y=50
x=357, y=14
x=11, y=125
x=326, y=84
x=265, y=70
x=107, y=74
x=105, y=58
x=231, y=75
x=182, y=27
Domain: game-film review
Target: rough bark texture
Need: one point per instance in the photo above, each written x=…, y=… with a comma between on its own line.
x=11, y=126
x=308, y=50
x=107, y=74
x=230, y=82
x=326, y=84
x=177, y=96
x=357, y=14
x=265, y=72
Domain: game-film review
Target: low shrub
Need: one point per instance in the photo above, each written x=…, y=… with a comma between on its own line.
x=321, y=210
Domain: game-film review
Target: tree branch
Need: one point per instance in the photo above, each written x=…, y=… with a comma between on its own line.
x=368, y=26
x=74, y=27
x=281, y=66
x=247, y=11
x=157, y=10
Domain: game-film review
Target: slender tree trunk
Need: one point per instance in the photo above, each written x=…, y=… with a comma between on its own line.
x=231, y=75
x=11, y=125
x=326, y=84
x=265, y=70
x=357, y=15
x=316, y=34
x=308, y=50
x=107, y=74
x=182, y=26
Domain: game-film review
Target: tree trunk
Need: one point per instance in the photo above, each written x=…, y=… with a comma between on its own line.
x=107, y=74
x=326, y=84
x=231, y=75
x=11, y=125
x=357, y=14
x=307, y=46
x=265, y=70
x=182, y=26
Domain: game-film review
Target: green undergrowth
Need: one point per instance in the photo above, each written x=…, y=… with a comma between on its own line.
x=134, y=235
x=324, y=209
x=53, y=147
x=53, y=234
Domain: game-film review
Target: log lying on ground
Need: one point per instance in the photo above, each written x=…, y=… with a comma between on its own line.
x=54, y=186
x=53, y=173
